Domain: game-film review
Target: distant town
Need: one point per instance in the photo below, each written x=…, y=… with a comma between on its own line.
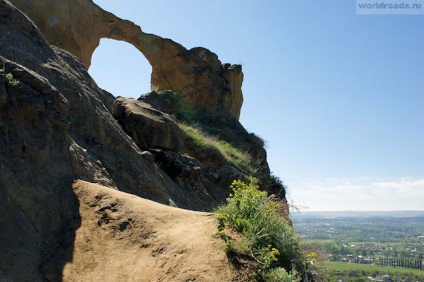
x=393, y=240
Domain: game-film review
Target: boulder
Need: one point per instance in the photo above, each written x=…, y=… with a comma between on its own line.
x=148, y=127
x=166, y=101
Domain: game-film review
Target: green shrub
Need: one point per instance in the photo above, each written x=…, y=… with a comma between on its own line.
x=271, y=240
x=10, y=80
x=184, y=108
x=279, y=274
x=186, y=111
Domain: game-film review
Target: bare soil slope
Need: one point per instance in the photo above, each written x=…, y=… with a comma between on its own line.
x=126, y=238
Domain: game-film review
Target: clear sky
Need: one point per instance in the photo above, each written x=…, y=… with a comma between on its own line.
x=338, y=97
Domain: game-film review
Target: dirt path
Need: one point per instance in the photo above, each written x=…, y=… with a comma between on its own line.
x=125, y=238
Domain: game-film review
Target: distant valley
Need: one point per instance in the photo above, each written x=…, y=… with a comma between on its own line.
x=365, y=243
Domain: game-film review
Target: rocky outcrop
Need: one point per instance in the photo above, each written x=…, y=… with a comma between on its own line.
x=57, y=129
x=148, y=127
x=213, y=88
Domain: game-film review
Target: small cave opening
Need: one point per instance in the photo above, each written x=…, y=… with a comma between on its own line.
x=121, y=69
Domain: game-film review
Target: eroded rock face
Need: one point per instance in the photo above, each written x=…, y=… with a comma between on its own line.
x=55, y=129
x=148, y=127
x=78, y=25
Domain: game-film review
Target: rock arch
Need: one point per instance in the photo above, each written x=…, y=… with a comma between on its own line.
x=78, y=25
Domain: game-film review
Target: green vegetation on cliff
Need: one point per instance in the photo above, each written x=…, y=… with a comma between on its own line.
x=210, y=148
x=266, y=237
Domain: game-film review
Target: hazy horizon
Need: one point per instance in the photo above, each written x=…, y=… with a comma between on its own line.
x=358, y=214
x=364, y=211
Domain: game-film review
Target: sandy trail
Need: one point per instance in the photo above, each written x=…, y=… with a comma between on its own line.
x=126, y=238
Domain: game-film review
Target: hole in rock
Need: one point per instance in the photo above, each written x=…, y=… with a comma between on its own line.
x=121, y=69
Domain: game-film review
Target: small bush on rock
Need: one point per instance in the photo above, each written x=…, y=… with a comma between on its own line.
x=271, y=240
x=10, y=80
x=279, y=274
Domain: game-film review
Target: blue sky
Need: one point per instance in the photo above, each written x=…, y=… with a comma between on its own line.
x=338, y=97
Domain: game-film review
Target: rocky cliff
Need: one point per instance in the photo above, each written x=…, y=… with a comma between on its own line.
x=58, y=127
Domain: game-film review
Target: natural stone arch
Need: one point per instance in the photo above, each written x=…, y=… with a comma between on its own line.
x=78, y=25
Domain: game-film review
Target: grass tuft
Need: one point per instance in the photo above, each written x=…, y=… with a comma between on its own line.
x=210, y=148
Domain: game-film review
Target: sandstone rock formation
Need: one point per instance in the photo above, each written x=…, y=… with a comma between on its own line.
x=54, y=129
x=212, y=87
x=148, y=127
x=57, y=129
